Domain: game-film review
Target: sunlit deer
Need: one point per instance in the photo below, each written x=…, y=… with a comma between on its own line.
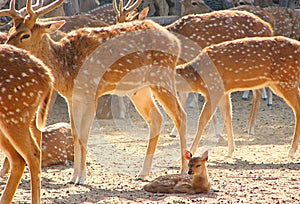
x=57, y=146
x=26, y=89
x=197, y=180
x=91, y=62
x=208, y=29
x=249, y=63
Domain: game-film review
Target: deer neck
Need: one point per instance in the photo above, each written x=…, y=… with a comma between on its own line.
x=64, y=58
x=200, y=181
x=189, y=80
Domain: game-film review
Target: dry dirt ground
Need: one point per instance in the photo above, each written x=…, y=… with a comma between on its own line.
x=259, y=172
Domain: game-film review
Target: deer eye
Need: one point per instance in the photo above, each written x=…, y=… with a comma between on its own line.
x=194, y=3
x=25, y=36
x=197, y=166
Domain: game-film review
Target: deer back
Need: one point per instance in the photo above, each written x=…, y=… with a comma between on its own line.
x=201, y=30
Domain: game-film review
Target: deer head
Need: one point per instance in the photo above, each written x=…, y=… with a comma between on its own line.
x=27, y=32
x=197, y=165
x=128, y=12
x=194, y=6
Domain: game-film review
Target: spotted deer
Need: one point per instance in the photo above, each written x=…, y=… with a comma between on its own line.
x=57, y=146
x=197, y=180
x=249, y=63
x=26, y=87
x=199, y=31
x=91, y=62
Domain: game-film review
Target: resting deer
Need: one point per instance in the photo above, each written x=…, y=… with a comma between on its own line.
x=24, y=98
x=196, y=181
x=57, y=146
x=249, y=63
x=91, y=62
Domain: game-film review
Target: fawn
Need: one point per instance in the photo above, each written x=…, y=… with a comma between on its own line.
x=196, y=181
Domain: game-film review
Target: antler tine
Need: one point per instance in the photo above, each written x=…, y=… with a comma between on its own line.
x=11, y=12
x=37, y=5
x=130, y=6
x=115, y=7
x=43, y=10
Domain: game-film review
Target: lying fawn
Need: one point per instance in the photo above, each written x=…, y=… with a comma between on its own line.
x=26, y=88
x=249, y=63
x=196, y=181
x=57, y=146
x=91, y=62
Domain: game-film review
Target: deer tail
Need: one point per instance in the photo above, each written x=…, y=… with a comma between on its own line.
x=43, y=108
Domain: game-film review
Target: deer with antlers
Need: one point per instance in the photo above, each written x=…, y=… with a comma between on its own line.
x=249, y=63
x=121, y=59
x=196, y=181
x=26, y=88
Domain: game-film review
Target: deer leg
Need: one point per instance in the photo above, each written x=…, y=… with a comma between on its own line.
x=26, y=146
x=5, y=167
x=174, y=109
x=292, y=97
x=270, y=97
x=183, y=98
x=17, y=168
x=147, y=108
x=208, y=110
x=226, y=111
x=81, y=116
x=254, y=110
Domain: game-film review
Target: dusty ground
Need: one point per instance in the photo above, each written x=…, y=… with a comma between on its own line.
x=260, y=172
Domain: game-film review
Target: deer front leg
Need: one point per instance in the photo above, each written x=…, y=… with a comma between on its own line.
x=208, y=110
x=147, y=108
x=81, y=116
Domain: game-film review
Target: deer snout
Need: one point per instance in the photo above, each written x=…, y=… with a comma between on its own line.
x=190, y=172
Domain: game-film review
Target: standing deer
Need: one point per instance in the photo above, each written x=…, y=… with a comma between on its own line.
x=196, y=181
x=249, y=63
x=206, y=29
x=91, y=62
x=57, y=146
x=25, y=95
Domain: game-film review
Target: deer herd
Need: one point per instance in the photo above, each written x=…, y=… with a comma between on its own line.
x=213, y=54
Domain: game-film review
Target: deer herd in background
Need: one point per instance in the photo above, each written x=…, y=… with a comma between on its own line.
x=213, y=54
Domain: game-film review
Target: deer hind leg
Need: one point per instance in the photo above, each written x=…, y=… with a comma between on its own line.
x=145, y=105
x=25, y=145
x=17, y=168
x=81, y=118
x=174, y=109
x=254, y=110
x=183, y=98
x=292, y=98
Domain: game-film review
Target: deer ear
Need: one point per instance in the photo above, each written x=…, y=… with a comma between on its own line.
x=143, y=14
x=205, y=155
x=53, y=26
x=187, y=155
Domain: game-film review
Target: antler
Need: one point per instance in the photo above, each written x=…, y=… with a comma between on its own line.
x=33, y=15
x=11, y=12
x=123, y=12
